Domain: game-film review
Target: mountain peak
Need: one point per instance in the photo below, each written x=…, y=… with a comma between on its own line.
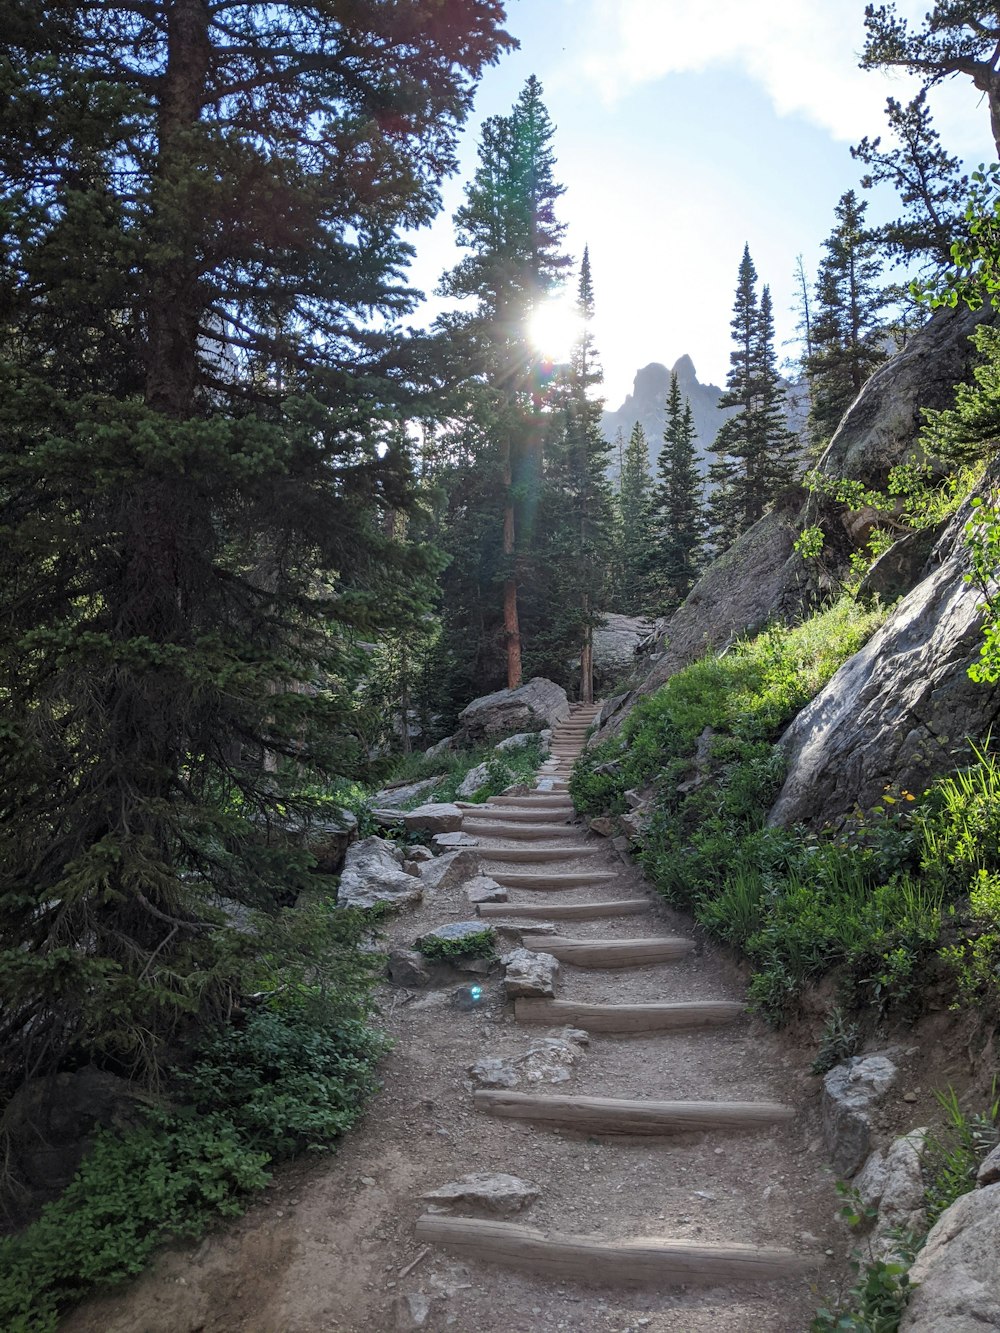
x=685, y=371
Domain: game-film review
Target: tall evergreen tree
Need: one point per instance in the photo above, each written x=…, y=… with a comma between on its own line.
x=678, y=516
x=849, y=333
x=202, y=205
x=509, y=225
x=753, y=447
x=635, y=523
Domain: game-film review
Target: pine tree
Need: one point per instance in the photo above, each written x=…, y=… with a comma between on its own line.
x=754, y=449
x=509, y=224
x=203, y=205
x=959, y=37
x=849, y=334
x=677, y=518
x=635, y=523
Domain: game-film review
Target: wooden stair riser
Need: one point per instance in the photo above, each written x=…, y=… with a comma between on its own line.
x=521, y=817
x=613, y=953
x=553, y=881
x=522, y=832
x=542, y=800
x=644, y=1261
x=615, y=1115
x=624, y=1018
x=530, y=856
x=565, y=911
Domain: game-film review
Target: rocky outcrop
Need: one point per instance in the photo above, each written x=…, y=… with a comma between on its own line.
x=372, y=874
x=617, y=640
x=956, y=1275
x=850, y=1091
x=437, y=817
x=900, y=710
x=538, y=704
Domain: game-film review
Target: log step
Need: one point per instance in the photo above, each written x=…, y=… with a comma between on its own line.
x=523, y=814
x=493, y=829
x=658, y=1261
x=566, y=911
x=612, y=953
x=536, y=799
x=628, y=1017
x=553, y=879
x=616, y=1115
x=538, y=855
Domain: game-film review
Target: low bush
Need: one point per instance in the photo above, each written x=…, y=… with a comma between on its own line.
x=480, y=944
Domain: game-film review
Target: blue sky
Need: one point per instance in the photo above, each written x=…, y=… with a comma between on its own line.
x=684, y=131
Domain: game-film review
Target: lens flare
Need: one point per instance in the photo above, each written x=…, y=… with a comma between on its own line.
x=554, y=329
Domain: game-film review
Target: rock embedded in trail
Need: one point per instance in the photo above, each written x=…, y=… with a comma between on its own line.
x=850, y=1091
x=902, y=1209
x=493, y=1192
x=449, y=870
x=530, y=974
x=436, y=817
x=372, y=875
x=448, y=842
x=482, y=889
x=407, y=967
x=547, y=1060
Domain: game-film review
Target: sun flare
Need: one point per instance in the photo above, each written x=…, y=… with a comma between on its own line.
x=555, y=328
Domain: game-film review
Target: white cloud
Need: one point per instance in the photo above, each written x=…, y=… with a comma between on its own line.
x=803, y=53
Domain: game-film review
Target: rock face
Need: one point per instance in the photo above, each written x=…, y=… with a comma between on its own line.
x=434, y=818
x=850, y=1090
x=956, y=1274
x=529, y=974
x=449, y=870
x=491, y=1192
x=897, y=711
x=475, y=778
x=540, y=703
x=616, y=642
x=989, y=1170
x=902, y=1208
x=372, y=874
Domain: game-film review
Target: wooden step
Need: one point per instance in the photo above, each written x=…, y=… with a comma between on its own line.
x=616, y=1115
x=539, y=855
x=536, y=799
x=529, y=831
x=524, y=815
x=552, y=880
x=628, y=1017
x=644, y=1260
x=565, y=911
x=613, y=953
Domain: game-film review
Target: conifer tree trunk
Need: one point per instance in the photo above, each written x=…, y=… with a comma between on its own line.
x=511, y=627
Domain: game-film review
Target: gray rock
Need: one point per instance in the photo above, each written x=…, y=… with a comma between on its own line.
x=547, y=1060
x=328, y=840
x=878, y=721
x=850, y=1090
x=575, y=1035
x=604, y=825
x=455, y=932
x=616, y=642
x=412, y=1311
x=956, y=1274
x=441, y=817
x=475, y=778
x=440, y=747
x=482, y=889
x=989, y=1170
x=411, y=867
x=634, y=824
x=522, y=739
x=492, y=1072
x=393, y=798
x=539, y=703
x=530, y=974
x=902, y=1209
x=492, y=1192
x=418, y=853
x=409, y=968
x=449, y=870
x=447, y=842
x=870, y=1180
x=372, y=875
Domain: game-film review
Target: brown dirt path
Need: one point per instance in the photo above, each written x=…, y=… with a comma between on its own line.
x=330, y=1249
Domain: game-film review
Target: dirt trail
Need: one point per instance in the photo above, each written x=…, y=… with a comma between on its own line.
x=331, y=1249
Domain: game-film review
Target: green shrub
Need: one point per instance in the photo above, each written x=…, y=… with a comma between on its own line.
x=132, y=1192
x=953, y=1154
x=479, y=944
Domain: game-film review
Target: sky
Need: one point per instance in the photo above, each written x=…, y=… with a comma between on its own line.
x=683, y=132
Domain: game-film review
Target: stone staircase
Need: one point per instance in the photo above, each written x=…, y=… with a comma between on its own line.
x=553, y=857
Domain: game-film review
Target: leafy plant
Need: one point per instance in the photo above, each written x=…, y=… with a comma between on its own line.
x=839, y=1041
x=477, y=944
x=952, y=1155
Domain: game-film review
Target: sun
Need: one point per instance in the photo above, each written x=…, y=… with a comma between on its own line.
x=554, y=328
